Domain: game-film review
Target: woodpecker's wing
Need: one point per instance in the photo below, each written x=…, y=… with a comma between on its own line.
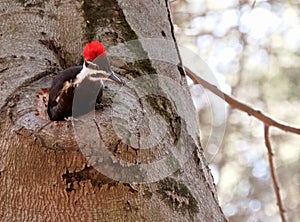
x=60, y=79
x=56, y=109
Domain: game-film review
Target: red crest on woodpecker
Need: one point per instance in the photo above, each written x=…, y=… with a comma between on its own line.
x=92, y=50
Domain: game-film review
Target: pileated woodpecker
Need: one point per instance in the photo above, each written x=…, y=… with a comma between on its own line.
x=83, y=84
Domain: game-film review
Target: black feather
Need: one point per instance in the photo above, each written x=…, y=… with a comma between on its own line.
x=73, y=101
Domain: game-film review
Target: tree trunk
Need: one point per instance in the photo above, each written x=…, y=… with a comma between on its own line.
x=136, y=158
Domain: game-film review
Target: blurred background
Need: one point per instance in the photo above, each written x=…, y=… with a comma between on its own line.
x=253, y=50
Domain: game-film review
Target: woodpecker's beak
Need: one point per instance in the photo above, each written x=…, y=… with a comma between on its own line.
x=101, y=64
x=116, y=78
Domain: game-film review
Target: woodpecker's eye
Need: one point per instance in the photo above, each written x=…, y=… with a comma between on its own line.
x=91, y=65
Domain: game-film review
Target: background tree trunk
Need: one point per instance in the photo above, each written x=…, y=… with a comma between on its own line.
x=47, y=169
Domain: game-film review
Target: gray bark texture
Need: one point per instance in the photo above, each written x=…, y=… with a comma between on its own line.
x=51, y=171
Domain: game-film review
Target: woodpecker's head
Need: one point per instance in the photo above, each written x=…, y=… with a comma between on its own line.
x=96, y=66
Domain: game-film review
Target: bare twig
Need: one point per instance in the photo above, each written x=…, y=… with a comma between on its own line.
x=273, y=175
x=236, y=104
x=268, y=121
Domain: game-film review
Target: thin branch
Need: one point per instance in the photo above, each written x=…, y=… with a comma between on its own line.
x=268, y=121
x=272, y=169
x=236, y=104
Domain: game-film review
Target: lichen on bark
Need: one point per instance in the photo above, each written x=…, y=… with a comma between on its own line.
x=177, y=196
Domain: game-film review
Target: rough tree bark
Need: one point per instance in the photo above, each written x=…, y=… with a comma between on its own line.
x=46, y=172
